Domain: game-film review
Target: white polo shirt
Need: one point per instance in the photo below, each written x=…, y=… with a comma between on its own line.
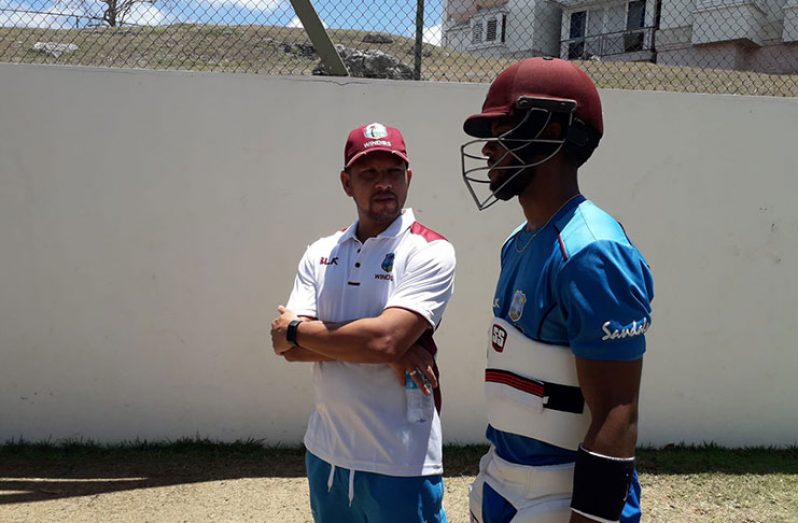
x=359, y=421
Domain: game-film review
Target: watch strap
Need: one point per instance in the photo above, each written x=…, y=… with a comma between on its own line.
x=291, y=331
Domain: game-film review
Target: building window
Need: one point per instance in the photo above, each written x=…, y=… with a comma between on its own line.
x=476, y=35
x=612, y=39
x=576, y=49
x=608, y=30
x=636, y=15
x=633, y=40
x=491, y=31
x=487, y=31
x=578, y=24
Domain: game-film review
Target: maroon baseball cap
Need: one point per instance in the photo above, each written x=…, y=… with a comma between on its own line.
x=374, y=137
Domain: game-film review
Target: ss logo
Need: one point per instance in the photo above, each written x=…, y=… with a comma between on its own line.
x=498, y=337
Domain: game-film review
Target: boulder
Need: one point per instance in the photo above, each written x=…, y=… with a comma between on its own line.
x=54, y=49
x=377, y=38
x=301, y=49
x=369, y=64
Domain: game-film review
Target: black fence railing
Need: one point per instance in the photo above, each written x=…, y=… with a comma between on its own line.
x=612, y=44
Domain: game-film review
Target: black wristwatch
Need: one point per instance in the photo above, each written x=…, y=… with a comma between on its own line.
x=290, y=332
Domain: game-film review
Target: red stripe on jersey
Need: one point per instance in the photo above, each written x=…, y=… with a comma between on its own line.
x=427, y=234
x=515, y=381
x=562, y=247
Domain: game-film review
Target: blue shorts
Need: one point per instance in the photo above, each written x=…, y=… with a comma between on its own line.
x=631, y=511
x=376, y=498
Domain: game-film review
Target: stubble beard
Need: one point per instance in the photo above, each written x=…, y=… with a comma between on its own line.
x=521, y=178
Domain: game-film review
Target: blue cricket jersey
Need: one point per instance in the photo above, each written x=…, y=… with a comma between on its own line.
x=577, y=282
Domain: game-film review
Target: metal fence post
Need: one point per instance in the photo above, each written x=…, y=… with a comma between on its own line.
x=419, y=38
x=319, y=37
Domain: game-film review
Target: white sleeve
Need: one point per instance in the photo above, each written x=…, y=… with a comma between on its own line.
x=428, y=282
x=303, y=296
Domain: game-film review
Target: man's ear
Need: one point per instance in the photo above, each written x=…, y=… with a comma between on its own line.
x=553, y=131
x=409, y=176
x=346, y=182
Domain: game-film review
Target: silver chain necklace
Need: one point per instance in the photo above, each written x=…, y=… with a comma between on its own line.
x=529, y=241
x=534, y=235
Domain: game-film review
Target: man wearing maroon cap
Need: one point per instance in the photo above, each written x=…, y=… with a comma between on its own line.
x=365, y=303
x=571, y=308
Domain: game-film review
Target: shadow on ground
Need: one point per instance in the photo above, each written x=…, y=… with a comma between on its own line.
x=41, y=473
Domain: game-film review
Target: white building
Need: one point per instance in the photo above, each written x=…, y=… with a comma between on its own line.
x=754, y=35
x=511, y=28
x=750, y=35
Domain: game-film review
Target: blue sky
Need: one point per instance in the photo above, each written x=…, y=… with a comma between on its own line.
x=394, y=16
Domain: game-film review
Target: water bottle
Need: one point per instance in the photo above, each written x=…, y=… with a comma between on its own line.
x=419, y=406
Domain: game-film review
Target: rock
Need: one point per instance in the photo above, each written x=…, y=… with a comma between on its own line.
x=54, y=49
x=370, y=64
x=301, y=49
x=426, y=50
x=377, y=38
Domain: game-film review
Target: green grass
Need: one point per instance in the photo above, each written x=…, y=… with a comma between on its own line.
x=684, y=459
x=257, y=49
x=183, y=447
x=460, y=459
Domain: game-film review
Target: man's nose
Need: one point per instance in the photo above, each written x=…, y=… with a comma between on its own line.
x=489, y=149
x=384, y=180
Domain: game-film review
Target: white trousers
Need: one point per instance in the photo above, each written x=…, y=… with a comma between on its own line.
x=539, y=494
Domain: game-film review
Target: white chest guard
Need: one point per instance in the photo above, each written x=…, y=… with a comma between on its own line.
x=532, y=390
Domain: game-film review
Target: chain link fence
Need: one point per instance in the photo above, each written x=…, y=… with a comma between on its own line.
x=711, y=46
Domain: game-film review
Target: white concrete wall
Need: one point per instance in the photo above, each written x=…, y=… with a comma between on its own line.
x=676, y=13
x=790, y=32
x=737, y=21
x=548, y=18
x=150, y=223
x=532, y=28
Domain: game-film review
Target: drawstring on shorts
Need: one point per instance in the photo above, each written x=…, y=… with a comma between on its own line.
x=351, y=486
x=331, y=478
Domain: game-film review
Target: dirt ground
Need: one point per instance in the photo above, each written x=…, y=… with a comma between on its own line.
x=204, y=487
x=246, y=499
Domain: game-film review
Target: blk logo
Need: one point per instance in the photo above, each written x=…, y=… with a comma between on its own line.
x=498, y=338
x=329, y=261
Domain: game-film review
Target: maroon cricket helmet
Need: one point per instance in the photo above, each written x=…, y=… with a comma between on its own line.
x=543, y=79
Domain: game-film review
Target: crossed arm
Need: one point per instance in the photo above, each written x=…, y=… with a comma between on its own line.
x=388, y=338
